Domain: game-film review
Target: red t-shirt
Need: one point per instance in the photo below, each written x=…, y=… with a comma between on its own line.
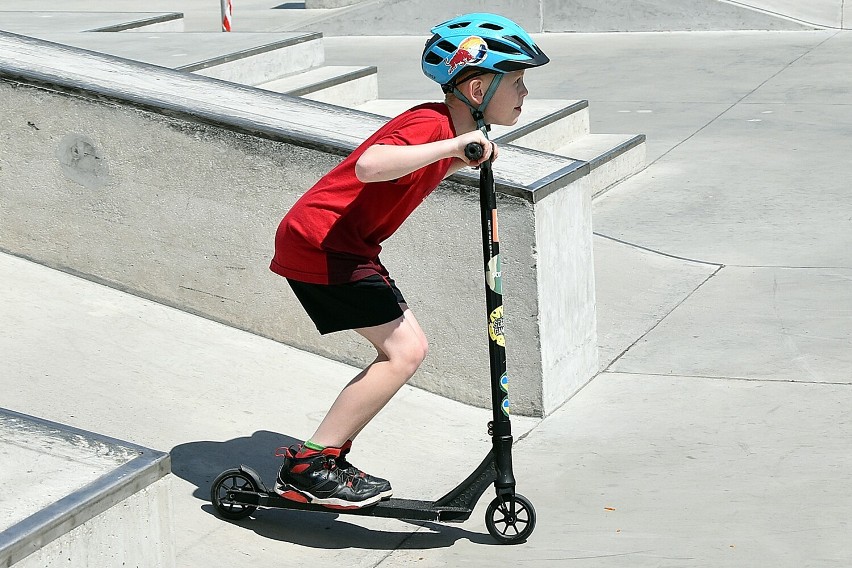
x=333, y=233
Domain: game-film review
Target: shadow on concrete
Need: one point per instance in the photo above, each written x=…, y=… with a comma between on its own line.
x=334, y=531
x=200, y=462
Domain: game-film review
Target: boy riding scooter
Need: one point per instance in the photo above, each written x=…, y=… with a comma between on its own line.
x=328, y=244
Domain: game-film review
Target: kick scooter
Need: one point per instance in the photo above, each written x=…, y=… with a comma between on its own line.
x=510, y=518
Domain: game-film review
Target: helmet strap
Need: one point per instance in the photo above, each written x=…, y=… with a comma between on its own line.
x=478, y=113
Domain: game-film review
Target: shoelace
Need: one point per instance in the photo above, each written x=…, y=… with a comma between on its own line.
x=284, y=452
x=344, y=469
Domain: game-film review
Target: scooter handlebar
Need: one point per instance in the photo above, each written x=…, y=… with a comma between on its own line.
x=473, y=151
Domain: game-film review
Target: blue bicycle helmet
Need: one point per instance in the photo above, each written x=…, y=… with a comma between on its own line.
x=488, y=42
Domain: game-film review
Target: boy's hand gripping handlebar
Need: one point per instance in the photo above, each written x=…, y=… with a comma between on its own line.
x=473, y=151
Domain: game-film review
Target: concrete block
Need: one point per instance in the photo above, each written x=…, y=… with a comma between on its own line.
x=264, y=63
x=81, y=499
x=612, y=157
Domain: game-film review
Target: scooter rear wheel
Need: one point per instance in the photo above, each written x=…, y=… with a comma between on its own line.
x=227, y=481
x=510, y=519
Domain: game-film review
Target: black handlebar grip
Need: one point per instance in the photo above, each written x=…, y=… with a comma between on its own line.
x=473, y=151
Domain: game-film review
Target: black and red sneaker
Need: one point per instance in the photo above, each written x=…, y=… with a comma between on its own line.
x=383, y=485
x=311, y=476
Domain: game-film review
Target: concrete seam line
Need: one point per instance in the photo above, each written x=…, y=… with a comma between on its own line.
x=634, y=245
x=741, y=379
x=662, y=319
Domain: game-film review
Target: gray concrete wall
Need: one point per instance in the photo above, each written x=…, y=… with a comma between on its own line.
x=407, y=17
x=566, y=291
x=184, y=212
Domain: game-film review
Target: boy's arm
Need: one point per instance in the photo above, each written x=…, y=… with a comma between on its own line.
x=387, y=162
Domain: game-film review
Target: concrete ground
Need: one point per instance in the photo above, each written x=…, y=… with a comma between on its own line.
x=717, y=433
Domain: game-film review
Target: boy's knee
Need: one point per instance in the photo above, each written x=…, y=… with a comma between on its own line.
x=408, y=360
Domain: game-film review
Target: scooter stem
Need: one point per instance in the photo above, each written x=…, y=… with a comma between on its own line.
x=501, y=428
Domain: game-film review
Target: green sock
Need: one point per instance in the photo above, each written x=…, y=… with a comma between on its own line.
x=311, y=446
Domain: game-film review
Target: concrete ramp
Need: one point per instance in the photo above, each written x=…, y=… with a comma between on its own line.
x=659, y=15
x=406, y=17
x=822, y=13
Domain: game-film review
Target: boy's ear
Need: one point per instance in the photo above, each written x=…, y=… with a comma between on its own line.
x=475, y=90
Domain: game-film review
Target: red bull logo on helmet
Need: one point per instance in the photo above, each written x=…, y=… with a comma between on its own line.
x=471, y=51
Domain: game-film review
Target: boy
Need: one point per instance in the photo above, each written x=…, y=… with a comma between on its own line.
x=328, y=244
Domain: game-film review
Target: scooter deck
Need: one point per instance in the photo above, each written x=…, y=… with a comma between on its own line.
x=410, y=509
x=455, y=506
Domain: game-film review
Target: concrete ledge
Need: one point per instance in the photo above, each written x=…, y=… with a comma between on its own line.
x=264, y=63
x=170, y=186
x=172, y=22
x=612, y=158
x=321, y=78
x=64, y=478
x=524, y=173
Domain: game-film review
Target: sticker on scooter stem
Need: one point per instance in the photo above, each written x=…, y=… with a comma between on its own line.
x=494, y=275
x=504, y=386
x=495, y=327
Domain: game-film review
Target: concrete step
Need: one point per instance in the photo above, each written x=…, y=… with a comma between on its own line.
x=558, y=127
x=347, y=86
x=612, y=157
x=545, y=124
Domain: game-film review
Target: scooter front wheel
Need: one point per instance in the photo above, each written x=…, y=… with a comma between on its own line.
x=220, y=494
x=510, y=519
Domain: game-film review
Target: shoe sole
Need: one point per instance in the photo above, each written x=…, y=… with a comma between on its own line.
x=292, y=494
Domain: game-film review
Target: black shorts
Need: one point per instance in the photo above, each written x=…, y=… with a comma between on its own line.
x=364, y=303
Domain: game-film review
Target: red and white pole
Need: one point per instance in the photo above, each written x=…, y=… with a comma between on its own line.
x=227, y=15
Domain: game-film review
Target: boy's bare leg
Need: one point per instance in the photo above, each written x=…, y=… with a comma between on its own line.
x=402, y=346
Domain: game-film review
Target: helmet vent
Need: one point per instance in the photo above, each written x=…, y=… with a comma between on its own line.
x=446, y=46
x=459, y=25
x=433, y=58
x=521, y=41
x=490, y=26
x=501, y=47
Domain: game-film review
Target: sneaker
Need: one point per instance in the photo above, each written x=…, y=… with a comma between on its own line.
x=310, y=476
x=382, y=485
